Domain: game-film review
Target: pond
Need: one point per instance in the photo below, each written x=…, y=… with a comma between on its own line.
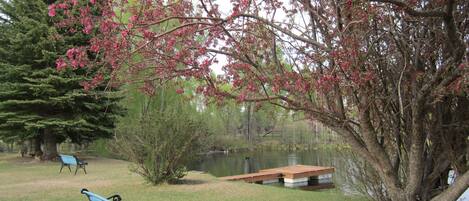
x=247, y=162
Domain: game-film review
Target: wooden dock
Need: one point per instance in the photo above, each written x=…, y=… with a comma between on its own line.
x=292, y=176
x=254, y=177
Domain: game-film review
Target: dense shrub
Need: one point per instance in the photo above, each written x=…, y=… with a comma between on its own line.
x=166, y=137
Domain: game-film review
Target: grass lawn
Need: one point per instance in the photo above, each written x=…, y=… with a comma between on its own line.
x=30, y=180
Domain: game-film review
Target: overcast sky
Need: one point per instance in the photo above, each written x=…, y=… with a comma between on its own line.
x=226, y=8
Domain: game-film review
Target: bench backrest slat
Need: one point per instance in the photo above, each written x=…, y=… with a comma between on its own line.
x=67, y=159
x=94, y=197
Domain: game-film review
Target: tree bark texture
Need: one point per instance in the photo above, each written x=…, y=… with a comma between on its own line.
x=50, y=145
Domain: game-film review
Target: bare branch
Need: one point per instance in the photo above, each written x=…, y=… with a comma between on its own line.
x=411, y=11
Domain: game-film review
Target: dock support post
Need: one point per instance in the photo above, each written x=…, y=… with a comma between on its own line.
x=272, y=181
x=298, y=182
x=322, y=179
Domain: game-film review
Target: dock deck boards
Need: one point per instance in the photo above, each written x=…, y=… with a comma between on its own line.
x=254, y=177
x=301, y=171
x=290, y=172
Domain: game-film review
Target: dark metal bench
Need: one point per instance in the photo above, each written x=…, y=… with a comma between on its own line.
x=94, y=197
x=68, y=160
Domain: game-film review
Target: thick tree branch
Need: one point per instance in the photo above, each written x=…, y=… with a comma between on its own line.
x=411, y=11
x=455, y=190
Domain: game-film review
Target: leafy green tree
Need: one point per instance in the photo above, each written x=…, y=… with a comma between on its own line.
x=37, y=102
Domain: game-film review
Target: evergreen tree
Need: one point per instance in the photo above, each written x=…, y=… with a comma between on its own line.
x=37, y=102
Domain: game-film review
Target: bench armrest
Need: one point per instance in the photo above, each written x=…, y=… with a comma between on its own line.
x=112, y=198
x=79, y=161
x=115, y=198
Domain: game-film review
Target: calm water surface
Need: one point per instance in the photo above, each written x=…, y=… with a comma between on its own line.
x=247, y=162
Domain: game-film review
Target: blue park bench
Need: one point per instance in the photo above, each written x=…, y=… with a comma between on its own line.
x=94, y=197
x=68, y=161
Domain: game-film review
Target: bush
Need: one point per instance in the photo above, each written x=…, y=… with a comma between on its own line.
x=103, y=148
x=163, y=140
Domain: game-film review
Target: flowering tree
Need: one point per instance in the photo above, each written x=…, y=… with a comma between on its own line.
x=390, y=76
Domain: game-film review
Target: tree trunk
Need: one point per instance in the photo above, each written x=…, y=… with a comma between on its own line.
x=248, y=122
x=24, y=148
x=35, y=146
x=50, y=145
x=73, y=147
x=10, y=147
x=29, y=147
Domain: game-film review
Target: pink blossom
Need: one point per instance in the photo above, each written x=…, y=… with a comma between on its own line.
x=94, y=48
x=74, y=64
x=242, y=97
x=179, y=91
x=202, y=50
x=97, y=79
x=71, y=53
x=88, y=27
x=133, y=19
x=60, y=64
x=125, y=33
x=86, y=86
x=462, y=66
x=62, y=6
x=148, y=34
x=52, y=12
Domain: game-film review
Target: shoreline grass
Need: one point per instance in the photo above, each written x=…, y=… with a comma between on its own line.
x=24, y=179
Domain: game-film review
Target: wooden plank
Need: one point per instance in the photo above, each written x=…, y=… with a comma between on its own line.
x=296, y=175
x=297, y=168
x=301, y=171
x=254, y=177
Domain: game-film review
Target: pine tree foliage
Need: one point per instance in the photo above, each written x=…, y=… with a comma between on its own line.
x=35, y=98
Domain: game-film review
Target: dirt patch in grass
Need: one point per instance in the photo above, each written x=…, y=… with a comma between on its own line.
x=15, y=159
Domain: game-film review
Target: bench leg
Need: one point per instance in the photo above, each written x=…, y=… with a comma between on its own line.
x=61, y=168
x=76, y=170
x=69, y=168
x=84, y=168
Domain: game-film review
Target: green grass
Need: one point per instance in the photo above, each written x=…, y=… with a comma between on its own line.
x=28, y=180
